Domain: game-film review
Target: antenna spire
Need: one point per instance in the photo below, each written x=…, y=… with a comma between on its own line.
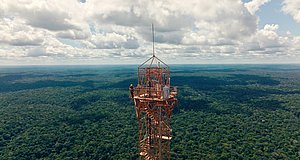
x=153, y=40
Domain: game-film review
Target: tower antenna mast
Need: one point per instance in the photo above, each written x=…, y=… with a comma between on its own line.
x=153, y=40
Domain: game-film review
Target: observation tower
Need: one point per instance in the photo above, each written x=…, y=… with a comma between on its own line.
x=154, y=99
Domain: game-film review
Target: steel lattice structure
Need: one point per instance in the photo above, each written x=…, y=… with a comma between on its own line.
x=154, y=101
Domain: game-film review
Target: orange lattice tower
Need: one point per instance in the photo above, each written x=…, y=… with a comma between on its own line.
x=154, y=100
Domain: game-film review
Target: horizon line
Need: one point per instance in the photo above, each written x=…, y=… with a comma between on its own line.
x=28, y=65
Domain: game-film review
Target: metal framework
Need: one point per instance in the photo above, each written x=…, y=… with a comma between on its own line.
x=154, y=101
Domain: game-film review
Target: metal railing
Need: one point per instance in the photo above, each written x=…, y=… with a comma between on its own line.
x=153, y=92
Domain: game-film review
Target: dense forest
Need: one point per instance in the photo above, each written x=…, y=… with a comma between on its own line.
x=84, y=112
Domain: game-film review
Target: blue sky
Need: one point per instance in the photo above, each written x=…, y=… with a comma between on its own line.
x=119, y=32
x=271, y=13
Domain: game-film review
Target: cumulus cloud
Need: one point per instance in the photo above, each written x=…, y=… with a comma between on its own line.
x=42, y=52
x=291, y=7
x=173, y=19
x=41, y=14
x=79, y=30
x=37, y=52
x=253, y=6
x=17, y=34
x=114, y=40
x=268, y=37
x=268, y=44
x=227, y=23
x=73, y=34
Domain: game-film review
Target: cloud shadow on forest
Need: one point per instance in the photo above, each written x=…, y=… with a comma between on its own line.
x=80, y=119
x=8, y=87
x=231, y=91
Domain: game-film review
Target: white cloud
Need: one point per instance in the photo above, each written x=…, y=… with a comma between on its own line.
x=73, y=34
x=268, y=37
x=40, y=14
x=295, y=45
x=173, y=19
x=253, y=6
x=15, y=33
x=78, y=31
x=291, y=7
x=37, y=52
x=114, y=40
